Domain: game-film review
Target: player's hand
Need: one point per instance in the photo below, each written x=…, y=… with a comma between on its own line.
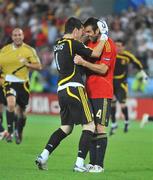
x=78, y=60
x=24, y=61
x=144, y=76
x=103, y=28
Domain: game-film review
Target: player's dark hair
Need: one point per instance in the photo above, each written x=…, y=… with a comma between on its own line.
x=122, y=41
x=91, y=22
x=71, y=24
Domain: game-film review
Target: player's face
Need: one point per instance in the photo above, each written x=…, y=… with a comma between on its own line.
x=92, y=35
x=119, y=47
x=78, y=33
x=17, y=37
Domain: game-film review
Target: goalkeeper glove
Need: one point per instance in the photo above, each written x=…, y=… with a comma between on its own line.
x=103, y=28
x=144, y=76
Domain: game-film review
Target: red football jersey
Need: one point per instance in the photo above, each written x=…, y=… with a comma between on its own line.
x=101, y=86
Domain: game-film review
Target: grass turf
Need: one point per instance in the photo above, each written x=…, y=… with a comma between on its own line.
x=129, y=156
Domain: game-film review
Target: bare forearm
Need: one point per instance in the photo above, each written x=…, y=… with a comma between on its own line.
x=98, y=68
x=34, y=66
x=98, y=49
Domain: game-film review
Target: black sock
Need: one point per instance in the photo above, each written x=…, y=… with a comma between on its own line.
x=84, y=143
x=55, y=140
x=10, y=116
x=125, y=112
x=1, y=128
x=20, y=124
x=1, y=121
x=150, y=118
x=101, y=149
x=113, y=113
x=92, y=150
x=15, y=122
x=1, y=118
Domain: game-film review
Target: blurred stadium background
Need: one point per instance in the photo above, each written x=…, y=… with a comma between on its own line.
x=42, y=22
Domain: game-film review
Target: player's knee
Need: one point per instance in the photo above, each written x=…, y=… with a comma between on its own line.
x=11, y=104
x=113, y=103
x=90, y=126
x=100, y=128
x=123, y=105
x=11, y=107
x=67, y=129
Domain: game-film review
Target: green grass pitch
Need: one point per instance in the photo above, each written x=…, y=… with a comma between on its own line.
x=129, y=156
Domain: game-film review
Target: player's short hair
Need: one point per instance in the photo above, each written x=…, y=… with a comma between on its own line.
x=91, y=22
x=71, y=24
x=122, y=41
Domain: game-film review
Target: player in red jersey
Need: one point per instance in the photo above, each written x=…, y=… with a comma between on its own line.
x=99, y=86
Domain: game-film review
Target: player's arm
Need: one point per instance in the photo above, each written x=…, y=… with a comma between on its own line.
x=137, y=63
x=98, y=68
x=32, y=62
x=82, y=50
x=103, y=28
x=34, y=66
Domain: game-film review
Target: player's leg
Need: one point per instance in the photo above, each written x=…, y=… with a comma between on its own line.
x=145, y=119
x=102, y=107
x=66, y=128
x=22, y=90
x=1, y=118
x=3, y=132
x=20, y=121
x=1, y=126
x=10, y=95
x=84, y=114
x=52, y=144
x=1, y=107
x=124, y=109
x=150, y=118
x=113, y=118
x=84, y=146
x=114, y=125
x=10, y=115
x=122, y=98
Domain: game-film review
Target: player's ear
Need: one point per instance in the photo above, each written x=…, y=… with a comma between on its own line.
x=97, y=31
x=75, y=31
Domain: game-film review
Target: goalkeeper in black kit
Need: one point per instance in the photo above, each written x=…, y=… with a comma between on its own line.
x=123, y=59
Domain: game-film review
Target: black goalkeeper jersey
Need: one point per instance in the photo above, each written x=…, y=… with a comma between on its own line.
x=64, y=52
x=122, y=62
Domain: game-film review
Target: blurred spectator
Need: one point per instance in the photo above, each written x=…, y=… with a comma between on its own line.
x=116, y=32
x=43, y=23
x=52, y=32
x=36, y=82
x=150, y=63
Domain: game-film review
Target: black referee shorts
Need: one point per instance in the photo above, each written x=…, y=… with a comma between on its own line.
x=75, y=107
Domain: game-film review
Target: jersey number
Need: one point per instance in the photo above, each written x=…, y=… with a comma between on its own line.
x=99, y=113
x=56, y=61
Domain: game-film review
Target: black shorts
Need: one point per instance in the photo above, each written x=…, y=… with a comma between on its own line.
x=19, y=90
x=101, y=109
x=2, y=98
x=120, y=90
x=75, y=107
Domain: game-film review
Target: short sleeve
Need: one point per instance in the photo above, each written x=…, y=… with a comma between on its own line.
x=81, y=49
x=33, y=57
x=108, y=54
